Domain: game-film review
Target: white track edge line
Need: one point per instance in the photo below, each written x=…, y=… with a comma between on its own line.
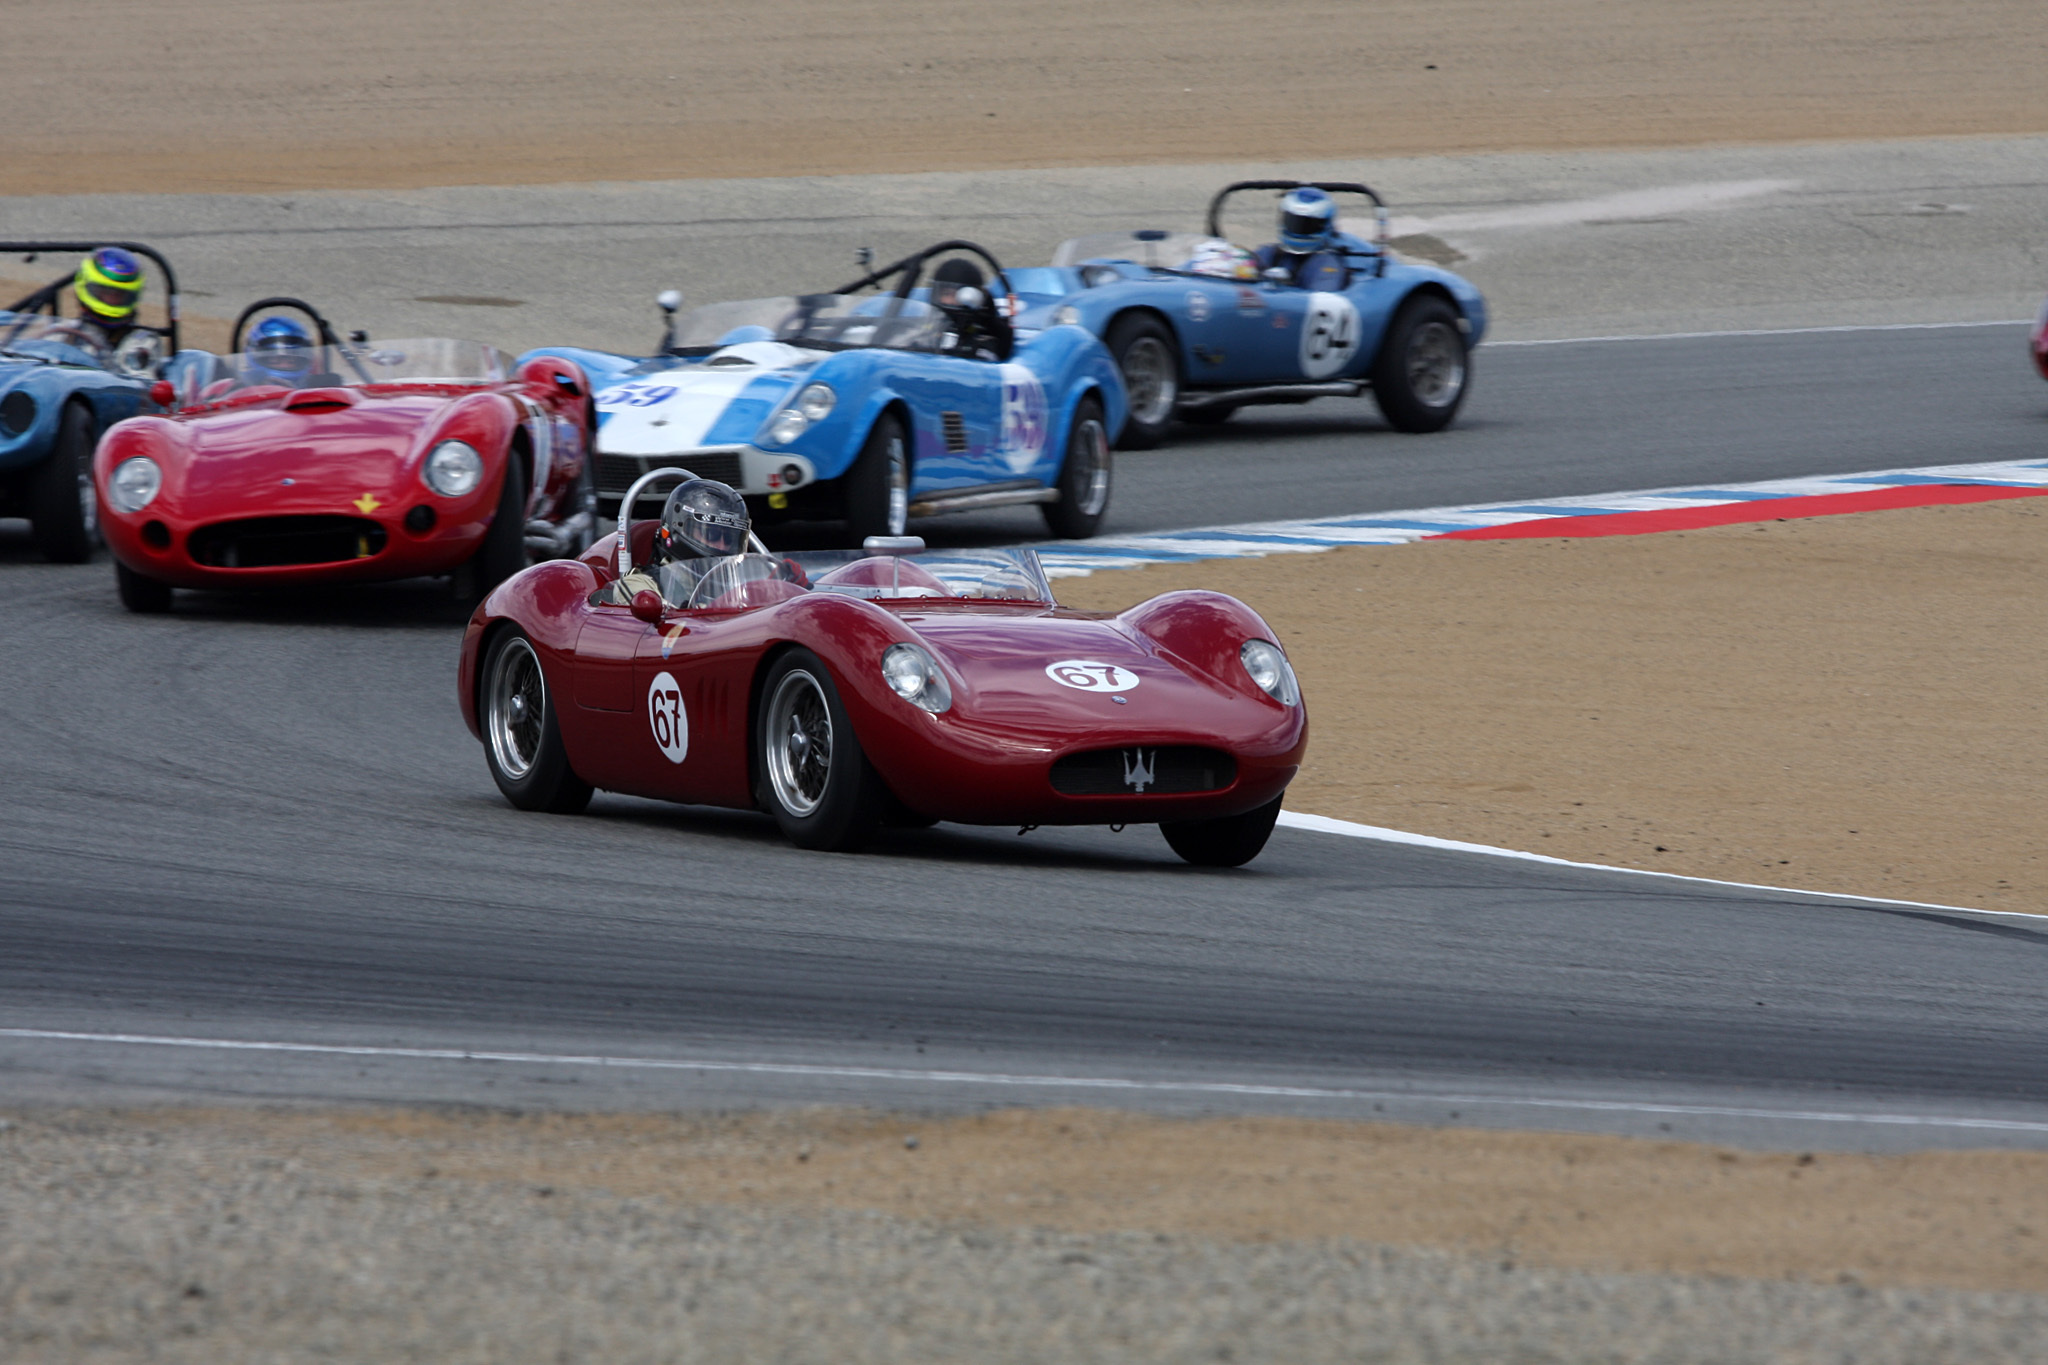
x=1023, y=1080
x=1765, y=332
x=1323, y=824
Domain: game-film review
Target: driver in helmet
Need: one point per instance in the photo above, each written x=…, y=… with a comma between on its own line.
x=107, y=287
x=961, y=292
x=702, y=522
x=279, y=352
x=1308, y=238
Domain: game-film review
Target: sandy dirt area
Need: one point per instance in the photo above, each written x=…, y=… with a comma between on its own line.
x=227, y=95
x=1846, y=703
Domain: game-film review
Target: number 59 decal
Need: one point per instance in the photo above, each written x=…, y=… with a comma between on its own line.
x=1091, y=675
x=665, y=713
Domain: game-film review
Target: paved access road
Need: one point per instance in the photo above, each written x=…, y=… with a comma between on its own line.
x=264, y=821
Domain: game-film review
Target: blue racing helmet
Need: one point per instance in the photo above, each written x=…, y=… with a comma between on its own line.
x=280, y=349
x=1308, y=221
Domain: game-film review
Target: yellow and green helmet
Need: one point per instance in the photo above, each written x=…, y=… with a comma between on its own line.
x=109, y=283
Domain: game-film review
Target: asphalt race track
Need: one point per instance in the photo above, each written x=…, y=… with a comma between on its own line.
x=263, y=821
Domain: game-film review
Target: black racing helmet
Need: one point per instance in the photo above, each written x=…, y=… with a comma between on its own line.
x=954, y=275
x=702, y=519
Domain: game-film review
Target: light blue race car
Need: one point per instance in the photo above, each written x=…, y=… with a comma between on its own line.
x=1200, y=328
x=62, y=383
x=871, y=409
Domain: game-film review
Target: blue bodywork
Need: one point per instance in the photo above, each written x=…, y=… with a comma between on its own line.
x=1244, y=333
x=974, y=424
x=38, y=379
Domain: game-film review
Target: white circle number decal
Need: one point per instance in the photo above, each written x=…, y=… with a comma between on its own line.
x=1091, y=675
x=665, y=713
x=1329, y=335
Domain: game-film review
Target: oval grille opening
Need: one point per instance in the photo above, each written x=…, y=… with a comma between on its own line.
x=1144, y=770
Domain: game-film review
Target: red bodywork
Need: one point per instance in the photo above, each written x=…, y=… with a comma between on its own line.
x=986, y=760
x=2039, y=342
x=347, y=461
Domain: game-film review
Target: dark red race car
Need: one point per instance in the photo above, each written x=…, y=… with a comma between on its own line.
x=845, y=689
x=306, y=459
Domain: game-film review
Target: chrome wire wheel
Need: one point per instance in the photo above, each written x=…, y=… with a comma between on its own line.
x=899, y=485
x=1150, y=380
x=1436, y=364
x=1091, y=448
x=798, y=731
x=516, y=708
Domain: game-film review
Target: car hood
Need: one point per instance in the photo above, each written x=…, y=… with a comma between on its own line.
x=325, y=453
x=1005, y=662
x=721, y=400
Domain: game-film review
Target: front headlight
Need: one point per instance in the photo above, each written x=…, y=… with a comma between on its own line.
x=914, y=676
x=1066, y=315
x=1268, y=668
x=134, y=484
x=810, y=406
x=453, y=469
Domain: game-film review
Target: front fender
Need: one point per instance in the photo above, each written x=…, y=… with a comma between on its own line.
x=548, y=602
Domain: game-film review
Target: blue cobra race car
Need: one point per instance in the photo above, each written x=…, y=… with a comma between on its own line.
x=871, y=409
x=1200, y=328
x=62, y=383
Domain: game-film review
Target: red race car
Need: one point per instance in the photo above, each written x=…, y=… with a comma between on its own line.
x=303, y=459
x=841, y=690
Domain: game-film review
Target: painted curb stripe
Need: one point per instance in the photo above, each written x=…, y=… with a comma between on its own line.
x=1889, y=498
x=1931, y=485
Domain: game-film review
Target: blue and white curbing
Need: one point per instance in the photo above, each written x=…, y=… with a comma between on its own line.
x=1078, y=558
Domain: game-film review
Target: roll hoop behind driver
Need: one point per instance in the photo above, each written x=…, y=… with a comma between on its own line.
x=704, y=524
x=1308, y=232
x=107, y=286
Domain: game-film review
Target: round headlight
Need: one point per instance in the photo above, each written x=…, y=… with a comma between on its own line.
x=1066, y=315
x=815, y=401
x=914, y=676
x=1268, y=668
x=134, y=484
x=17, y=411
x=787, y=426
x=453, y=469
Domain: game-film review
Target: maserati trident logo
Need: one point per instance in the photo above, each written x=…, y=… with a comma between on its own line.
x=1138, y=769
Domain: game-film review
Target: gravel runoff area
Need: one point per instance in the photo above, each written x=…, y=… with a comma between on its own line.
x=180, y=1236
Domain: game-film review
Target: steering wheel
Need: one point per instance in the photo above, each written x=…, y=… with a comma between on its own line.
x=321, y=329
x=76, y=334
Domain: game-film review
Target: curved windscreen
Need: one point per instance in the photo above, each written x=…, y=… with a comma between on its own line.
x=980, y=575
x=1167, y=253
x=824, y=321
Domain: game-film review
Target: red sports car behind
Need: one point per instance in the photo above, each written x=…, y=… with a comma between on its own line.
x=347, y=463
x=842, y=690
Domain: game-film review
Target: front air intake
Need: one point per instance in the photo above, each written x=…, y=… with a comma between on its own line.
x=276, y=542
x=1144, y=770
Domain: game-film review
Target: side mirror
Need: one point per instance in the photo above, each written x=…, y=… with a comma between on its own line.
x=647, y=606
x=1274, y=274
x=893, y=545
x=668, y=300
x=359, y=337
x=163, y=393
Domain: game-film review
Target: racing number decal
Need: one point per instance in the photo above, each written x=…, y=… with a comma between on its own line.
x=665, y=713
x=637, y=394
x=1024, y=420
x=1329, y=335
x=1091, y=675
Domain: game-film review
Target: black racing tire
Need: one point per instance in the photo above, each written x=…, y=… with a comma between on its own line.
x=61, y=500
x=1231, y=841
x=503, y=552
x=1211, y=416
x=1149, y=360
x=141, y=594
x=812, y=774
x=1424, y=369
x=877, y=488
x=1084, y=478
x=526, y=755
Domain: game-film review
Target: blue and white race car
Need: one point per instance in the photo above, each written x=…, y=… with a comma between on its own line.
x=1200, y=328
x=872, y=409
x=62, y=383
